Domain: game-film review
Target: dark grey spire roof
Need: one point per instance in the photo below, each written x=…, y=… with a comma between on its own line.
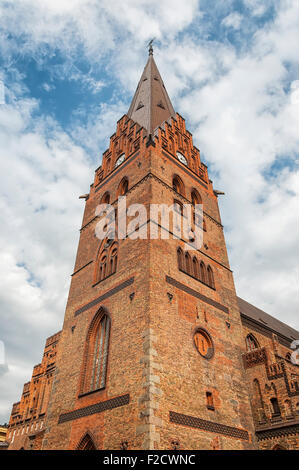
x=151, y=104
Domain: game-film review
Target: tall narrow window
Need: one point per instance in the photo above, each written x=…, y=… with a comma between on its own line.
x=210, y=276
x=180, y=259
x=275, y=407
x=210, y=401
x=113, y=259
x=195, y=267
x=251, y=343
x=178, y=185
x=187, y=263
x=96, y=354
x=202, y=270
x=123, y=187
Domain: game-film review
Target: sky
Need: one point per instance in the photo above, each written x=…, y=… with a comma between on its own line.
x=68, y=70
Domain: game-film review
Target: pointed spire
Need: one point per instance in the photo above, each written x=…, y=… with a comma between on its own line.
x=151, y=104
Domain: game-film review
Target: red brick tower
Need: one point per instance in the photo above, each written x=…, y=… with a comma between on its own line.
x=150, y=351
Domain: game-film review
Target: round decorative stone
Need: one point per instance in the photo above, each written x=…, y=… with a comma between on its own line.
x=203, y=343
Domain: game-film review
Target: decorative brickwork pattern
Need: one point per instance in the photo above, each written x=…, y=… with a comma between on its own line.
x=105, y=296
x=93, y=409
x=255, y=357
x=196, y=294
x=280, y=432
x=209, y=426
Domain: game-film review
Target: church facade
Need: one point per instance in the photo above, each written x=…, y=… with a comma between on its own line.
x=156, y=350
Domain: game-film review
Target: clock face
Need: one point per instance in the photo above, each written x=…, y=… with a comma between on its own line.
x=120, y=160
x=182, y=158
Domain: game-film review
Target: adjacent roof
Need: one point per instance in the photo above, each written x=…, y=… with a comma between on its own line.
x=267, y=320
x=151, y=104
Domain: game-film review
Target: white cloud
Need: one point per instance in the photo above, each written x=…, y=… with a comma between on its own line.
x=232, y=20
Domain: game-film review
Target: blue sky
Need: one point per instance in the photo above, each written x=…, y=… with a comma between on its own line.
x=70, y=69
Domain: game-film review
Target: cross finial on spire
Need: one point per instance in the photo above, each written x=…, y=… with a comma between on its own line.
x=150, y=47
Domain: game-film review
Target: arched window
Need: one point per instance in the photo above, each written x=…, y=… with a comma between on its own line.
x=180, y=257
x=210, y=277
x=195, y=267
x=106, y=198
x=187, y=263
x=86, y=443
x=178, y=206
x=195, y=197
x=106, y=262
x=251, y=342
x=103, y=266
x=123, y=187
x=178, y=185
x=96, y=353
x=288, y=356
x=202, y=272
x=113, y=258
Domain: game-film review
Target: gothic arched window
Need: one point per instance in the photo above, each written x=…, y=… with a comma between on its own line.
x=202, y=272
x=195, y=197
x=178, y=206
x=180, y=259
x=210, y=276
x=187, y=263
x=178, y=185
x=86, y=443
x=103, y=266
x=123, y=187
x=106, y=262
x=113, y=258
x=105, y=198
x=251, y=342
x=96, y=353
x=195, y=267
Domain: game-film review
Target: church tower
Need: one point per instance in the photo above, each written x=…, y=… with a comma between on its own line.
x=150, y=350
